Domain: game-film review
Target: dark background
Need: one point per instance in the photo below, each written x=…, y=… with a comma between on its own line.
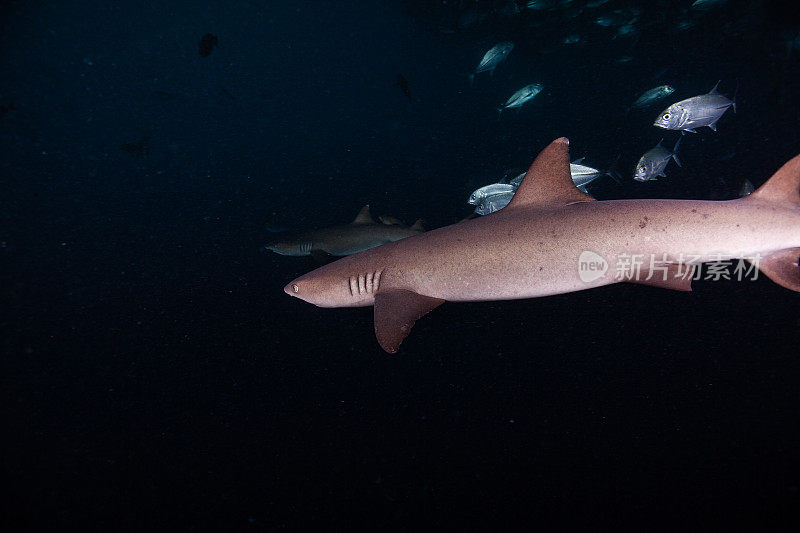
x=154, y=375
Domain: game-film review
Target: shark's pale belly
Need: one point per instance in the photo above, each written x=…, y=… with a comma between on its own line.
x=529, y=256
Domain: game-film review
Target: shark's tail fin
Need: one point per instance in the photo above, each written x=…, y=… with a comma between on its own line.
x=783, y=187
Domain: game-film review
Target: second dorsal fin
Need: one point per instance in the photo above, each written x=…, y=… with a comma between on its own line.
x=548, y=181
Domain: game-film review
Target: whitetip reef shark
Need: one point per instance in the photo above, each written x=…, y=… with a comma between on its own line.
x=361, y=234
x=552, y=239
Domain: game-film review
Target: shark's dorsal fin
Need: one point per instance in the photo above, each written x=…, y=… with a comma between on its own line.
x=418, y=225
x=363, y=216
x=783, y=186
x=548, y=181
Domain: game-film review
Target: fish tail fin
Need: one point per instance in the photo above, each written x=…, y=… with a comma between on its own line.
x=499, y=112
x=612, y=171
x=735, y=94
x=783, y=187
x=675, y=152
x=471, y=79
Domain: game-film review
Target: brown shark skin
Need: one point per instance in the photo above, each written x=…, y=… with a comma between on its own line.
x=506, y=255
x=525, y=251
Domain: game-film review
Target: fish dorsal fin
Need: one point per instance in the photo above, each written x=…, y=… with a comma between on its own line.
x=714, y=90
x=363, y=216
x=548, y=181
x=396, y=311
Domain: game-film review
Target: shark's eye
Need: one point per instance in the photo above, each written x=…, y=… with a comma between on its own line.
x=295, y=288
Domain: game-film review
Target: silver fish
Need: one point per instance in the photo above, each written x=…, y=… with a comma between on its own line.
x=519, y=98
x=651, y=96
x=696, y=112
x=487, y=190
x=583, y=175
x=516, y=181
x=706, y=4
x=654, y=161
x=492, y=58
x=541, y=5
x=626, y=30
x=493, y=202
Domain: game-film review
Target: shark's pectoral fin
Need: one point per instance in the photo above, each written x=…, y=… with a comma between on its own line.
x=673, y=276
x=548, y=181
x=396, y=311
x=782, y=267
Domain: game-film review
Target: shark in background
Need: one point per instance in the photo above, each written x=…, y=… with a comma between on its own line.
x=553, y=239
x=361, y=234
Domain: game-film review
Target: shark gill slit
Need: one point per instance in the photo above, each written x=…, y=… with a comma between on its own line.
x=368, y=283
x=352, y=285
x=361, y=285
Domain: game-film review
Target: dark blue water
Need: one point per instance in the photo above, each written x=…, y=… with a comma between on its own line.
x=155, y=375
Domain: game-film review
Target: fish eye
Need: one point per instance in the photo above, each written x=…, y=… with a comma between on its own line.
x=666, y=116
x=295, y=288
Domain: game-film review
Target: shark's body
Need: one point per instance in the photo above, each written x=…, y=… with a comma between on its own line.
x=361, y=234
x=534, y=247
